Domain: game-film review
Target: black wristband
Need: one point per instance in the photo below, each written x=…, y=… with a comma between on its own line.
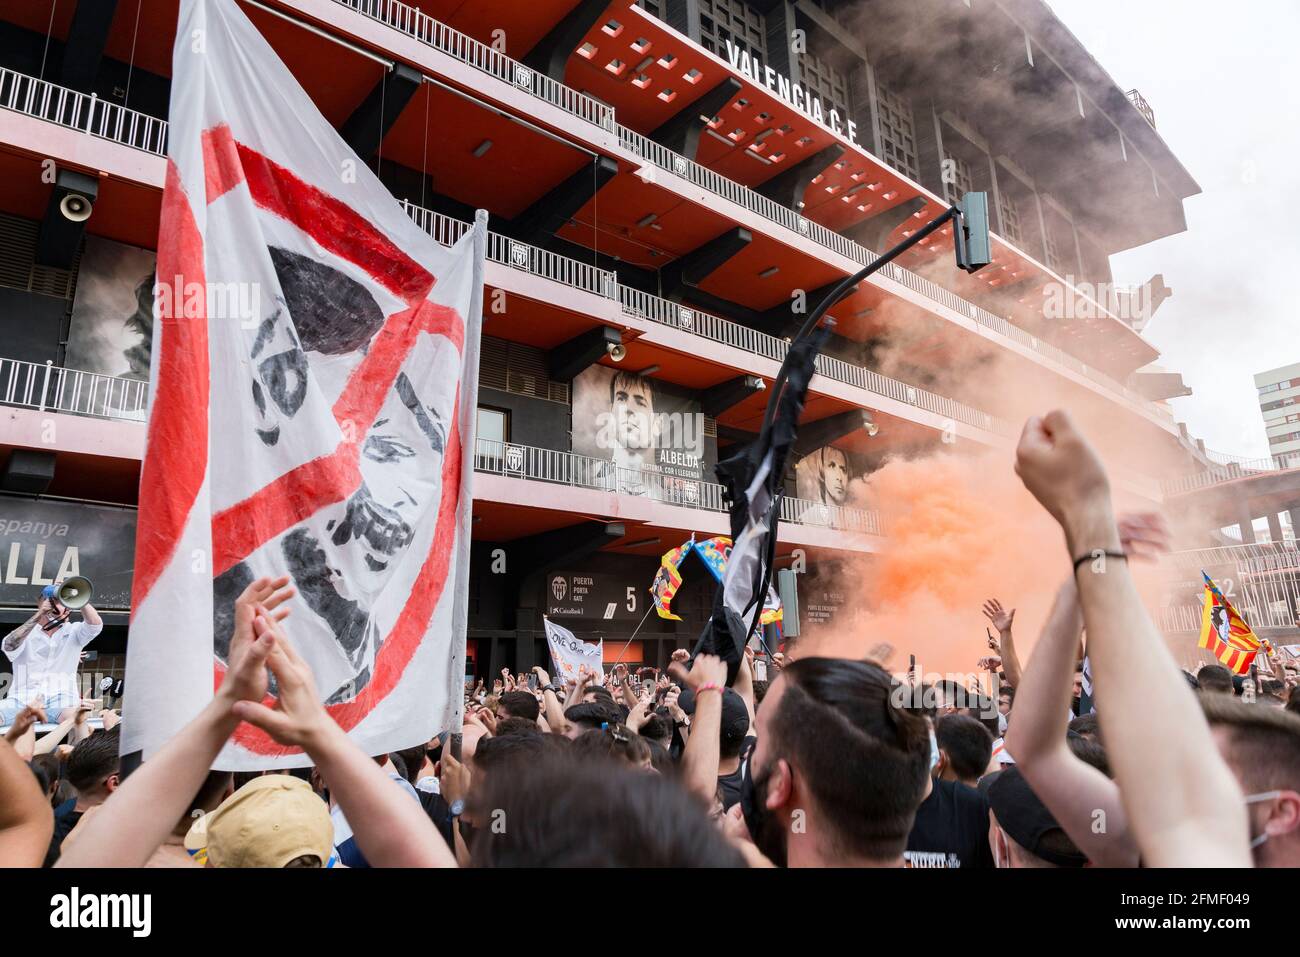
x=551, y=689
x=1093, y=555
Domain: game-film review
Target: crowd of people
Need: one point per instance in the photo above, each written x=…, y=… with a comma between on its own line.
x=798, y=761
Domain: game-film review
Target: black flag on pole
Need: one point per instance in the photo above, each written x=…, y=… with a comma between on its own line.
x=753, y=479
x=753, y=482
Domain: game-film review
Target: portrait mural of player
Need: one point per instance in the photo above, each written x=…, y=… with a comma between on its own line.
x=831, y=477
x=651, y=435
x=112, y=312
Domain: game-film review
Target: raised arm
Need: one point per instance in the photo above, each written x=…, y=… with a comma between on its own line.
x=52, y=739
x=744, y=686
x=144, y=809
x=700, y=759
x=391, y=829
x=1002, y=619
x=26, y=819
x=1075, y=792
x=552, y=708
x=14, y=640
x=1184, y=806
x=91, y=617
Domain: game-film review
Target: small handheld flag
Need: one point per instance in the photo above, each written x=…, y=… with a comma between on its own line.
x=1224, y=632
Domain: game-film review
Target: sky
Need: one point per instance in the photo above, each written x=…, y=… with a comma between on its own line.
x=1221, y=80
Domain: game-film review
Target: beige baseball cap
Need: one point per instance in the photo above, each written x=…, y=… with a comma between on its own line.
x=269, y=822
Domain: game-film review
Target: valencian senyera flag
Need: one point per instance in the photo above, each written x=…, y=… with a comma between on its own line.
x=753, y=482
x=669, y=578
x=713, y=552
x=1224, y=632
x=716, y=552
x=313, y=386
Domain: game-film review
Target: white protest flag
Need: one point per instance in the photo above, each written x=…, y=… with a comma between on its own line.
x=570, y=653
x=312, y=395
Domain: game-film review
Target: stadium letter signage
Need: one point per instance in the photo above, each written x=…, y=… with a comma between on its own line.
x=807, y=103
x=48, y=540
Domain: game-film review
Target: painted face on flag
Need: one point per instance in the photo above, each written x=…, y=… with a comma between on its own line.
x=342, y=557
x=320, y=310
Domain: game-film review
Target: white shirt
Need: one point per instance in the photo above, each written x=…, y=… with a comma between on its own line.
x=45, y=664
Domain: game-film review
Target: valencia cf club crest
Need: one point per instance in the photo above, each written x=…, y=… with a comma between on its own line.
x=514, y=458
x=559, y=587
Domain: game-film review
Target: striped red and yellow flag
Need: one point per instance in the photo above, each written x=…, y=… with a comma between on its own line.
x=1224, y=632
x=669, y=578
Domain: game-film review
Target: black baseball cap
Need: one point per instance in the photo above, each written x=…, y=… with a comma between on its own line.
x=1028, y=822
x=735, y=716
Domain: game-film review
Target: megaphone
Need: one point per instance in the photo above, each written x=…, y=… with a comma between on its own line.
x=75, y=592
x=76, y=208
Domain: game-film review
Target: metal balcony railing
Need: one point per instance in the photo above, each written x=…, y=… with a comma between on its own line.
x=446, y=231
x=50, y=388
x=1262, y=580
x=1142, y=106
x=1230, y=469
x=1256, y=558
x=707, y=179
x=80, y=111
x=416, y=23
x=644, y=305
x=70, y=108
x=583, y=471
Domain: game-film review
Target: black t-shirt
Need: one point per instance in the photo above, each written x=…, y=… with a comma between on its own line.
x=951, y=829
x=729, y=784
x=65, y=819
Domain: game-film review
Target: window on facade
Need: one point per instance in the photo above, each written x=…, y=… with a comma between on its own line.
x=897, y=132
x=1009, y=219
x=492, y=427
x=825, y=82
x=963, y=180
x=653, y=7
x=734, y=20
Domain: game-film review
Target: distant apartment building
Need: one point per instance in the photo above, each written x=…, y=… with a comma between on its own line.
x=1279, y=403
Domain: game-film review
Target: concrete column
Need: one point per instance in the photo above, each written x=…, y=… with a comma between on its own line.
x=525, y=652
x=1244, y=522
x=1294, y=513
x=1274, y=527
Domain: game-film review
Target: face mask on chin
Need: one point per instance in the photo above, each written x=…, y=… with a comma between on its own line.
x=767, y=833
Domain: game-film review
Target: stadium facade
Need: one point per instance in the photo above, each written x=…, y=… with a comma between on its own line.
x=669, y=183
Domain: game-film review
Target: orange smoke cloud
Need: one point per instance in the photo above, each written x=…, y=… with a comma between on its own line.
x=960, y=529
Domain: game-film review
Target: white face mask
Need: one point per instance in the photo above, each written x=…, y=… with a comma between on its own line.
x=1259, y=799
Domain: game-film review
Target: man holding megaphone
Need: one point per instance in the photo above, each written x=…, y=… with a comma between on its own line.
x=45, y=651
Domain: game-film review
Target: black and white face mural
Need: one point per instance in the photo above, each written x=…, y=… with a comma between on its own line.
x=652, y=437
x=111, y=332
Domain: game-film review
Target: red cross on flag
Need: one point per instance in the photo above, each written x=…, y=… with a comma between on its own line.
x=315, y=375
